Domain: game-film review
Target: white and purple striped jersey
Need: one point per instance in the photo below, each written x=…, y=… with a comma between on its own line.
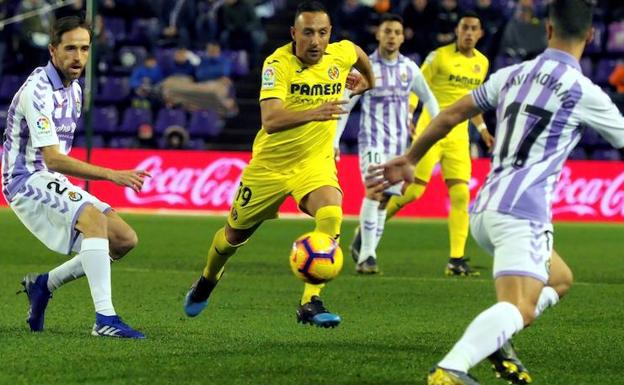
x=385, y=108
x=542, y=108
x=42, y=113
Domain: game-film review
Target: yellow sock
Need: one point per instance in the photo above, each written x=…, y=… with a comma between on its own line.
x=412, y=193
x=459, y=195
x=310, y=290
x=328, y=221
x=220, y=251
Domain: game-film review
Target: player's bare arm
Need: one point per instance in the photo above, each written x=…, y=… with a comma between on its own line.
x=400, y=168
x=365, y=68
x=57, y=161
x=276, y=118
x=478, y=122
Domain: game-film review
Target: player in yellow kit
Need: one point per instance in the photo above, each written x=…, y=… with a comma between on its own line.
x=300, y=102
x=451, y=71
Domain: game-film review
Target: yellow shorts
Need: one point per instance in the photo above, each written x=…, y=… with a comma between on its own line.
x=454, y=158
x=262, y=191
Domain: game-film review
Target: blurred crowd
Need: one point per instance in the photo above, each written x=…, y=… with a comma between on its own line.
x=170, y=68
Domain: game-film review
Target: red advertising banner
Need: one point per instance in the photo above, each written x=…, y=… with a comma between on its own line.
x=208, y=180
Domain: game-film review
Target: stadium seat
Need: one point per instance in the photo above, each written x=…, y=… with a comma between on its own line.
x=578, y=153
x=81, y=141
x=615, y=43
x=121, y=143
x=132, y=118
x=117, y=26
x=606, y=154
x=9, y=86
x=587, y=67
x=240, y=62
x=112, y=90
x=168, y=117
x=205, y=124
x=142, y=30
x=603, y=71
x=105, y=120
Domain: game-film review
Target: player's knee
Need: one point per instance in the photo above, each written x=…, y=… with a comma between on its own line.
x=459, y=195
x=563, y=286
x=123, y=243
x=527, y=309
x=92, y=223
x=236, y=237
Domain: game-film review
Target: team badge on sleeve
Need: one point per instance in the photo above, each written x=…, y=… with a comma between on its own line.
x=74, y=196
x=268, y=78
x=43, y=125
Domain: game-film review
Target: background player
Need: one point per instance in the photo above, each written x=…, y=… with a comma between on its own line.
x=543, y=105
x=451, y=72
x=384, y=130
x=39, y=134
x=302, y=84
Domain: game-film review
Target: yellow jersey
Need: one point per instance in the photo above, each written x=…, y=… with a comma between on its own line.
x=452, y=75
x=302, y=87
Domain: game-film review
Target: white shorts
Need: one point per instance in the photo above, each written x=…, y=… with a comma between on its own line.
x=519, y=246
x=370, y=156
x=49, y=206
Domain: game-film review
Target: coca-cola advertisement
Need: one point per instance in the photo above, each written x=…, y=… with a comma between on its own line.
x=207, y=181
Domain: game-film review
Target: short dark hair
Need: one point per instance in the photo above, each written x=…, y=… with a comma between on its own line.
x=65, y=24
x=571, y=19
x=390, y=17
x=471, y=14
x=310, y=6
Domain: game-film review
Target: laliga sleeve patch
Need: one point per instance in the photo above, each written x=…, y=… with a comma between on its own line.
x=268, y=78
x=43, y=125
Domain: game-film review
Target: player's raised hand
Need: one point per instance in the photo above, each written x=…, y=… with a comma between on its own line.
x=329, y=110
x=130, y=178
x=394, y=171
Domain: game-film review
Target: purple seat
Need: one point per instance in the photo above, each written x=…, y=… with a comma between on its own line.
x=603, y=71
x=615, y=43
x=168, y=117
x=81, y=141
x=142, y=30
x=587, y=67
x=590, y=139
x=117, y=26
x=105, y=120
x=133, y=118
x=112, y=90
x=578, y=153
x=598, y=41
x=121, y=142
x=205, y=124
x=164, y=57
x=606, y=154
x=9, y=86
x=240, y=62
x=504, y=61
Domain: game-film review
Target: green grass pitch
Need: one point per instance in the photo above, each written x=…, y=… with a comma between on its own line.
x=395, y=325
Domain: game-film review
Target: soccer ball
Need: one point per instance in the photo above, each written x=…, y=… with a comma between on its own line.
x=316, y=258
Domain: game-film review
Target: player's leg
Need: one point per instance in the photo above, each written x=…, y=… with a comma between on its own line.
x=456, y=168
x=95, y=258
x=422, y=175
x=259, y=196
x=122, y=238
x=324, y=203
x=224, y=244
x=522, y=251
